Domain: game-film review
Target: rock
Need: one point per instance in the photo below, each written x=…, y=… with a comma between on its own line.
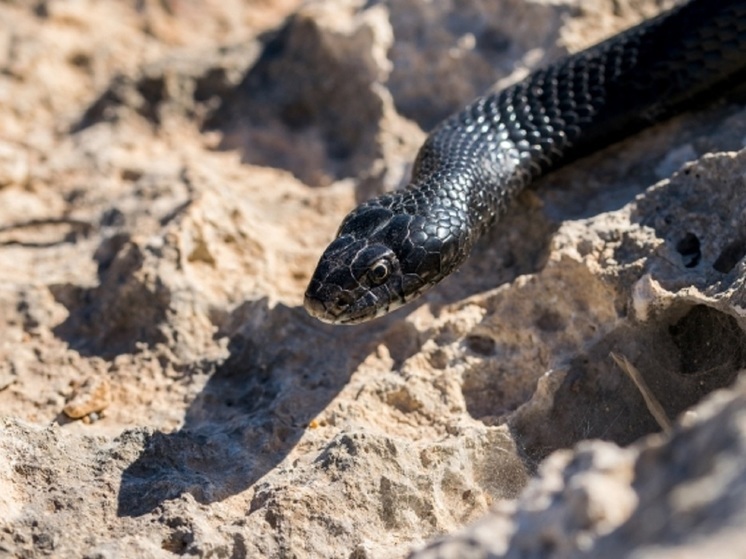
x=92, y=397
x=168, y=178
x=13, y=166
x=653, y=499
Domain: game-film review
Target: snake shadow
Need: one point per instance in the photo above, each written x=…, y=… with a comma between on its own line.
x=252, y=411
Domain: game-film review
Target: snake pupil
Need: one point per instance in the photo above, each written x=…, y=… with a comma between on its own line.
x=379, y=272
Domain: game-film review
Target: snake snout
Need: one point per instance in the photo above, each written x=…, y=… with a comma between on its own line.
x=314, y=306
x=327, y=302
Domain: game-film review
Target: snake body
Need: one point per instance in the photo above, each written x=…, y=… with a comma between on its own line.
x=392, y=248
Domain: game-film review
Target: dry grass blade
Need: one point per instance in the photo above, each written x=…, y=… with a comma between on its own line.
x=654, y=406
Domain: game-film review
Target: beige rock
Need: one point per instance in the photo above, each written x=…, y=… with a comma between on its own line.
x=93, y=396
x=653, y=499
x=173, y=172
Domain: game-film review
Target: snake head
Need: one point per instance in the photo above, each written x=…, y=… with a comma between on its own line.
x=380, y=260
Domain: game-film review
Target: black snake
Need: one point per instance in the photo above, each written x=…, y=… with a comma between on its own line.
x=394, y=247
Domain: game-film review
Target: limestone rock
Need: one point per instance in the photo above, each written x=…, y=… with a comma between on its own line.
x=654, y=499
x=170, y=173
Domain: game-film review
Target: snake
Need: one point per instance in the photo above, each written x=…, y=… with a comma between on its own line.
x=392, y=248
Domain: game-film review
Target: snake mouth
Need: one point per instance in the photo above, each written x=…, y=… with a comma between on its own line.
x=334, y=305
x=344, y=308
x=332, y=313
x=317, y=308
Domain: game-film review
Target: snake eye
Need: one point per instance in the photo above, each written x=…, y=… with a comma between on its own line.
x=379, y=271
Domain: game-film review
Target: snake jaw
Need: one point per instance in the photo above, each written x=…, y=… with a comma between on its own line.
x=346, y=309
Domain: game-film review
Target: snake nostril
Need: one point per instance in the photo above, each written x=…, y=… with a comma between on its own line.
x=343, y=300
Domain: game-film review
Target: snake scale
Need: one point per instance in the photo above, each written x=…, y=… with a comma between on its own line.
x=392, y=248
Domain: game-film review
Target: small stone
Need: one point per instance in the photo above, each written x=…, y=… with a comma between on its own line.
x=94, y=395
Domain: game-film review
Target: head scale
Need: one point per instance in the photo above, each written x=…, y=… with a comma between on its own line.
x=380, y=260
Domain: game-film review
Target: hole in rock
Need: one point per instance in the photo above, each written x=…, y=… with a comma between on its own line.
x=690, y=250
x=710, y=342
x=481, y=345
x=730, y=256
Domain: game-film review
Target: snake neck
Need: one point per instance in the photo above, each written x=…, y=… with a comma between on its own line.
x=472, y=190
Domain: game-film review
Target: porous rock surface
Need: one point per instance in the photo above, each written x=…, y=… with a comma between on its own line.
x=169, y=174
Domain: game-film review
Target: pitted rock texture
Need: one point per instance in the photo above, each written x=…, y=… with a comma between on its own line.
x=653, y=499
x=170, y=173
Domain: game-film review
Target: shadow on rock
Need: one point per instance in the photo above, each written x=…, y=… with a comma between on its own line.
x=684, y=356
x=319, y=125
x=124, y=310
x=283, y=369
